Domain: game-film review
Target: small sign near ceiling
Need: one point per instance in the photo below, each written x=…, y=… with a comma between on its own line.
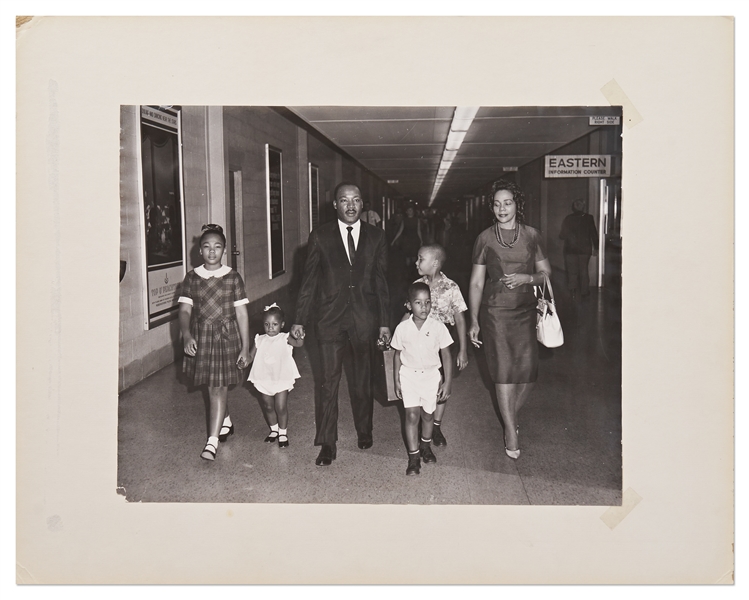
x=509, y=168
x=392, y=181
x=604, y=120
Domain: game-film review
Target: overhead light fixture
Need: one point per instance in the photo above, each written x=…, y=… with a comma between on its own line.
x=465, y=113
x=455, y=139
x=462, y=119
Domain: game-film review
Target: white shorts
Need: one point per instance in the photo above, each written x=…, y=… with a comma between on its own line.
x=419, y=388
x=271, y=388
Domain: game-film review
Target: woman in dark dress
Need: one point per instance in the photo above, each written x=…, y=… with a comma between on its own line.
x=503, y=305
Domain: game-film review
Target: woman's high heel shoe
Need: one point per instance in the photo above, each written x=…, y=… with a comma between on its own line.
x=514, y=454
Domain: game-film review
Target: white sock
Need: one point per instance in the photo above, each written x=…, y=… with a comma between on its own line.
x=213, y=440
x=227, y=421
x=281, y=432
x=274, y=427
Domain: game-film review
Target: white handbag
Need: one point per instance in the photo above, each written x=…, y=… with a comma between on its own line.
x=548, y=327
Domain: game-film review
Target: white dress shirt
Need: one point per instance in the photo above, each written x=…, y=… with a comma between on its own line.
x=354, y=232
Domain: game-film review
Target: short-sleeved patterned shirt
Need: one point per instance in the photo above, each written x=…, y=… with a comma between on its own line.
x=447, y=301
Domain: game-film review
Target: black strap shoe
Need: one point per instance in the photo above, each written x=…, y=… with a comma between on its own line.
x=437, y=438
x=425, y=449
x=414, y=465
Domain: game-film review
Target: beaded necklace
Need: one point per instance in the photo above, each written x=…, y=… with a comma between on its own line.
x=499, y=236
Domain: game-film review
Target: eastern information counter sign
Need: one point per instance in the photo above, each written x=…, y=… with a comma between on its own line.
x=577, y=165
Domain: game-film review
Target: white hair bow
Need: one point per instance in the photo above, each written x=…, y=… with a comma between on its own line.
x=274, y=305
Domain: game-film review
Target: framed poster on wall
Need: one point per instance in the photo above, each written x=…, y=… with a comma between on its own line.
x=162, y=214
x=274, y=195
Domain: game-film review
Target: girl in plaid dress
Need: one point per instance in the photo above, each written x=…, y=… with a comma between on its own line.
x=215, y=330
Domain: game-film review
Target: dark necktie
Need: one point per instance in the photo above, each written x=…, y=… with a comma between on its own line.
x=351, y=248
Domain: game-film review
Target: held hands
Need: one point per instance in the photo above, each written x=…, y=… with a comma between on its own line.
x=384, y=336
x=444, y=392
x=297, y=332
x=473, y=335
x=462, y=361
x=244, y=359
x=397, y=386
x=191, y=345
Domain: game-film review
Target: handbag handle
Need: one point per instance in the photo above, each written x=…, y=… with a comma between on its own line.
x=547, y=282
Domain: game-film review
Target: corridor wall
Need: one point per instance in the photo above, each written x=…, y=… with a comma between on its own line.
x=217, y=141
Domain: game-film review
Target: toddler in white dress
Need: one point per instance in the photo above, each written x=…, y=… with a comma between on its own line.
x=273, y=372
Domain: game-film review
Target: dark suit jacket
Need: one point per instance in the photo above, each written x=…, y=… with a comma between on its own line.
x=579, y=233
x=337, y=285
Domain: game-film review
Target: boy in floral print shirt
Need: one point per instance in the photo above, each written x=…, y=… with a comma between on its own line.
x=448, y=307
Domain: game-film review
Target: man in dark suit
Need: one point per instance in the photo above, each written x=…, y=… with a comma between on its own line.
x=346, y=272
x=580, y=241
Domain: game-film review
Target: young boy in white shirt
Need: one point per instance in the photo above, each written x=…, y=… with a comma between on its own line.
x=419, y=342
x=449, y=307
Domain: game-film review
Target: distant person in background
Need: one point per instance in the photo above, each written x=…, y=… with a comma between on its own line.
x=409, y=236
x=460, y=217
x=580, y=240
x=427, y=227
x=370, y=216
x=393, y=225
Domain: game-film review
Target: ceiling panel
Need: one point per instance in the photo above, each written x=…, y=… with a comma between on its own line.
x=396, y=151
x=369, y=133
x=542, y=129
x=402, y=163
x=547, y=111
x=504, y=149
x=406, y=142
x=375, y=113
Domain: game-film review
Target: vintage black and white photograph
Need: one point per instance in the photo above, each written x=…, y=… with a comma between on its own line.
x=358, y=300
x=371, y=304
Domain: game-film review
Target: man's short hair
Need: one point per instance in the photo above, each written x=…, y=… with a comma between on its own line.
x=342, y=185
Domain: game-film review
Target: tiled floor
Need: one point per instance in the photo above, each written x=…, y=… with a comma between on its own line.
x=570, y=432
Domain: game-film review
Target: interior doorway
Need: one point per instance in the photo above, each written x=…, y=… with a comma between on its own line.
x=236, y=238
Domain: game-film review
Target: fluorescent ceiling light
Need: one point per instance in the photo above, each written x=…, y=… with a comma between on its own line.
x=461, y=124
x=455, y=139
x=462, y=119
x=465, y=113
